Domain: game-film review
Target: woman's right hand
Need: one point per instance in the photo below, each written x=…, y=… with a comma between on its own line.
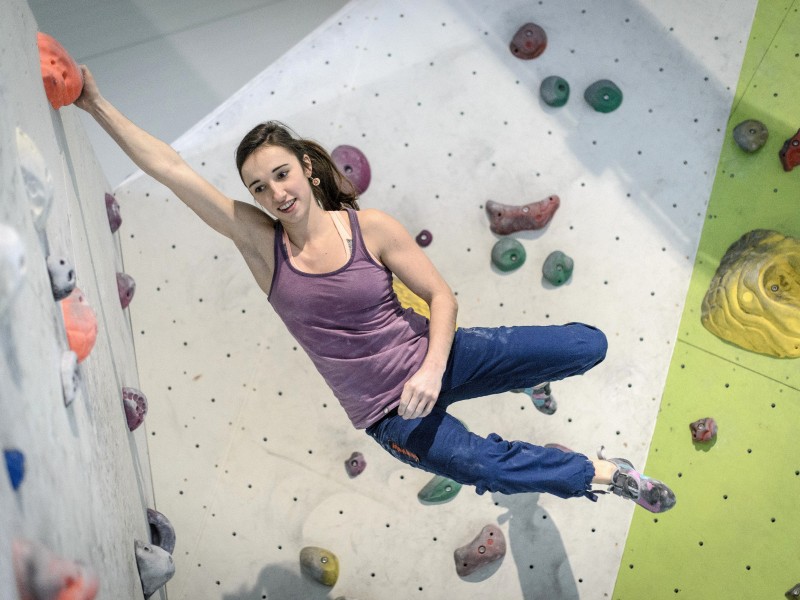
x=90, y=93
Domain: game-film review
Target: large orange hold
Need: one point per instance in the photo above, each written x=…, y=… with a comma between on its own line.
x=80, y=322
x=63, y=80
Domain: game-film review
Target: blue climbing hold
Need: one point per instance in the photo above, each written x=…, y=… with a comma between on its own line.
x=15, y=463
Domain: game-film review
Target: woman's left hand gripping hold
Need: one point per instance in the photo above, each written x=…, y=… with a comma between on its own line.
x=420, y=393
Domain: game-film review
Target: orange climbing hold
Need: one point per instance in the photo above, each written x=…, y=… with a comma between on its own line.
x=80, y=322
x=63, y=80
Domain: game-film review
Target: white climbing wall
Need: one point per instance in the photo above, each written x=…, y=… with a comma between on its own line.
x=248, y=444
x=87, y=481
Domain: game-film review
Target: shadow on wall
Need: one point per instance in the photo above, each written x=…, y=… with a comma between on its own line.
x=535, y=543
x=274, y=580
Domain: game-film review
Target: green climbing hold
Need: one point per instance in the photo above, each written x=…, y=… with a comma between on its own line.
x=439, y=490
x=604, y=96
x=508, y=254
x=557, y=268
x=554, y=91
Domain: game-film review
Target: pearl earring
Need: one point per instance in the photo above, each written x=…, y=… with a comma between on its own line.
x=315, y=181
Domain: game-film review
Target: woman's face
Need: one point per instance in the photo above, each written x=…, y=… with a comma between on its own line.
x=278, y=181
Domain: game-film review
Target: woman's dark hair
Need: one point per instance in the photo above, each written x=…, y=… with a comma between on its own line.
x=334, y=190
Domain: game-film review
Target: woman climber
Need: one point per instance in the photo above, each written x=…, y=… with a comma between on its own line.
x=327, y=268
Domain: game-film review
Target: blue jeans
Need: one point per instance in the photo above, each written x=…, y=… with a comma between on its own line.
x=486, y=361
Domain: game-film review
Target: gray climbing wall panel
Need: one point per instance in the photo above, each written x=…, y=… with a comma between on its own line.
x=248, y=444
x=87, y=479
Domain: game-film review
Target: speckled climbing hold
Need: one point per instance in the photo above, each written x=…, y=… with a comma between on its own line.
x=41, y=575
x=424, y=238
x=529, y=41
x=155, y=565
x=15, y=465
x=508, y=254
x=62, y=276
x=508, y=218
x=37, y=179
x=604, y=96
x=793, y=593
x=790, y=153
x=557, y=268
x=112, y=210
x=320, y=565
x=70, y=377
x=753, y=297
x=703, y=430
x=62, y=78
x=135, y=404
x=554, y=91
x=126, y=287
x=80, y=323
x=750, y=135
x=355, y=465
x=439, y=490
x=353, y=165
x=12, y=265
x=488, y=546
x=162, y=534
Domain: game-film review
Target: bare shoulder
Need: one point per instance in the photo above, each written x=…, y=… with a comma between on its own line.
x=376, y=221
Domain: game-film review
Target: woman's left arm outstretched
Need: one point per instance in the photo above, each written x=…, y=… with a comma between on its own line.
x=398, y=251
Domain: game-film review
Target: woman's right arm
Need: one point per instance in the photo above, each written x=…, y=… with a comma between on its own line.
x=163, y=163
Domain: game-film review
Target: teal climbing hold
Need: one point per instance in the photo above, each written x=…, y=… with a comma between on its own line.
x=554, y=91
x=439, y=490
x=508, y=254
x=557, y=268
x=604, y=96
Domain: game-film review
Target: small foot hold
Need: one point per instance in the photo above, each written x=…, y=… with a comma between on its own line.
x=439, y=490
x=135, y=404
x=320, y=565
x=424, y=238
x=162, y=534
x=354, y=165
x=112, y=210
x=15, y=465
x=750, y=135
x=790, y=152
x=487, y=547
x=529, y=41
x=508, y=254
x=507, y=218
x=126, y=286
x=557, y=268
x=155, y=565
x=62, y=276
x=604, y=96
x=554, y=91
x=355, y=465
x=703, y=430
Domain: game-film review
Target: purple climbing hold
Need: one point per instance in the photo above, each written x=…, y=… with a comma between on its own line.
x=62, y=276
x=488, y=546
x=112, y=208
x=15, y=465
x=424, y=238
x=135, y=403
x=162, y=534
x=529, y=41
x=355, y=465
x=353, y=165
x=704, y=430
x=126, y=287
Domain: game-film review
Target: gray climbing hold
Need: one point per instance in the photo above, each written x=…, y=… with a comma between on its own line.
x=70, y=378
x=557, y=268
x=36, y=176
x=162, y=534
x=487, y=547
x=62, y=276
x=155, y=565
x=750, y=135
x=320, y=565
x=12, y=265
x=135, y=404
x=554, y=91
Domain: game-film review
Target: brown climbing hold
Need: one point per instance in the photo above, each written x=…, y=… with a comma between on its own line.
x=529, y=41
x=41, y=575
x=703, y=430
x=790, y=153
x=488, y=546
x=62, y=78
x=506, y=218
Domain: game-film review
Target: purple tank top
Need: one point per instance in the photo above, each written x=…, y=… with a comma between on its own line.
x=350, y=323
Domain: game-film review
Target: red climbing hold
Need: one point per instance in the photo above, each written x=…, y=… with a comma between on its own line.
x=529, y=42
x=80, y=322
x=62, y=78
x=506, y=218
x=790, y=153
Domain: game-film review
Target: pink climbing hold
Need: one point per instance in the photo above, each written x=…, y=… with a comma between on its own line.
x=41, y=575
x=355, y=465
x=112, y=209
x=506, y=218
x=80, y=322
x=353, y=165
x=529, y=41
x=703, y=430
x=487, y=547
x=135, y=404
x=62, y=78
x=126, y=287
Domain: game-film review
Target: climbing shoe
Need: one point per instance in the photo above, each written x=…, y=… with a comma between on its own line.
x=651, y=494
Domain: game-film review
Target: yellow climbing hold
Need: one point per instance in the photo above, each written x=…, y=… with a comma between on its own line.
x=409, y=299
x=753, y=300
